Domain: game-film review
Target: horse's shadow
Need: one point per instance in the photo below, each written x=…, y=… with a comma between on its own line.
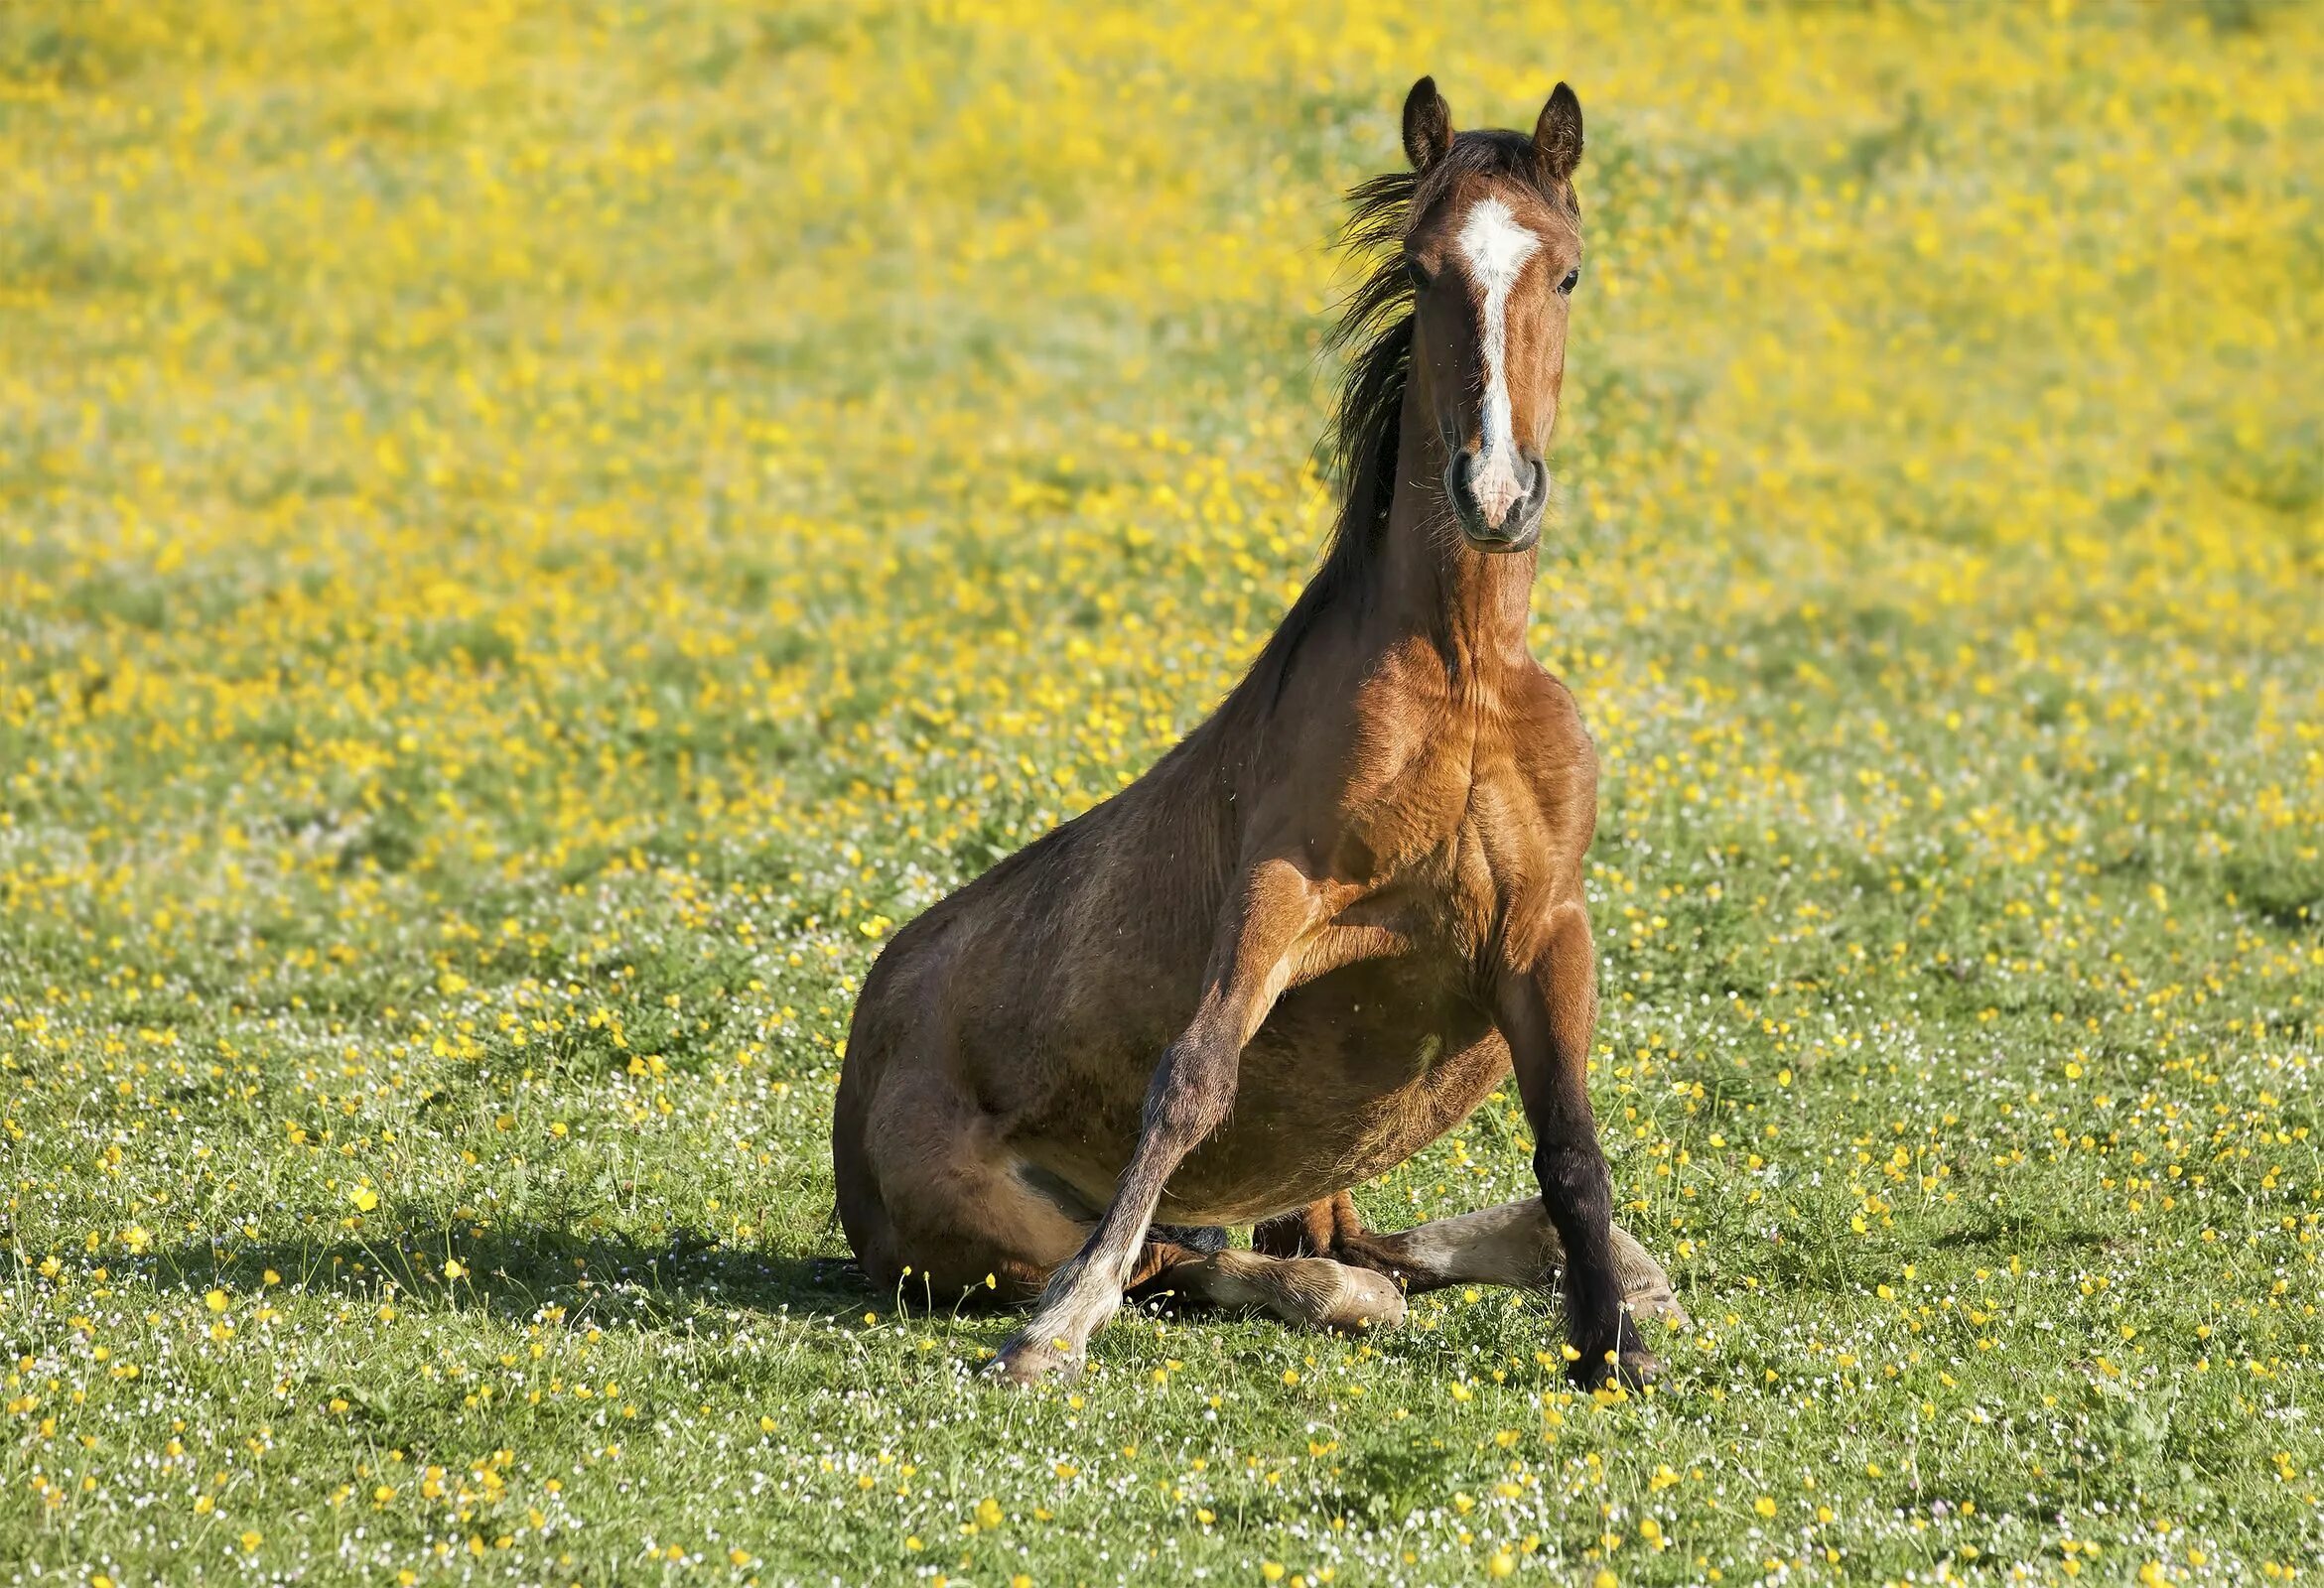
x=526, y=1273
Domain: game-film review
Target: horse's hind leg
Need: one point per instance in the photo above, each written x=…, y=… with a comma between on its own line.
x=1512, y=1244
x=936, y=1208
x=1312, y=1292
x=941, y=1214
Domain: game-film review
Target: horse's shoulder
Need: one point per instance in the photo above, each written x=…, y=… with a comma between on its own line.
x=1549, y=741
x=1544, y=695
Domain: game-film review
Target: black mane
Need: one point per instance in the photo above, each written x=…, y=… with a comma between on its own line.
x=1375, y=329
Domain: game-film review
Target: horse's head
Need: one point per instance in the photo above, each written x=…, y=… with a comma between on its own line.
x=1494, y=250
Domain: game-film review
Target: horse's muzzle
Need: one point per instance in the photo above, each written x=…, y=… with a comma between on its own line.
x=1517, y=523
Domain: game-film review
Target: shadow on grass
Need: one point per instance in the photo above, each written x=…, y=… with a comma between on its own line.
x=2017, y=1233
x=589, y=1278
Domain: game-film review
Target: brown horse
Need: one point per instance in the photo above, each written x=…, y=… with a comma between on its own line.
x=1337, y=913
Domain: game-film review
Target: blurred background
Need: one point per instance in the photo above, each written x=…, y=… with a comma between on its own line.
x=648, y=409
x=532, y=535
x=628, y=403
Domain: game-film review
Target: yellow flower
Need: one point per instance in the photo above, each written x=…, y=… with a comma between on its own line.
x=216, y=1300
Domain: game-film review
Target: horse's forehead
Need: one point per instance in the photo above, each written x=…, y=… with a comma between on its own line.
x=1493, y=242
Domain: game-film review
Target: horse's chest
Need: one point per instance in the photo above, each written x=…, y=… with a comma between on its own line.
x=1444, y=897
x=1350, y=1076
x=1456, y=818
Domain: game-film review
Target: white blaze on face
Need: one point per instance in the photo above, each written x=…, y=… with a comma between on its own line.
x=1495, y=248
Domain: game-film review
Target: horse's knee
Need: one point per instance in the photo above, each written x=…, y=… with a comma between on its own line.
x=1186, y=1108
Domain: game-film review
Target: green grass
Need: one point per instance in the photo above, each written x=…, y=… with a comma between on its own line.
x=529, y=540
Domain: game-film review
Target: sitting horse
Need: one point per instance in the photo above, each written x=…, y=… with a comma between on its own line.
x=1327, y=923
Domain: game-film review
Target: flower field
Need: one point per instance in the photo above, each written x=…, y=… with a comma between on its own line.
x=532, y=536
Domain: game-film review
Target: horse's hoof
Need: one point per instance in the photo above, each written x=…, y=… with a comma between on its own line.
x=1366, y=1300
x=1024, y=1364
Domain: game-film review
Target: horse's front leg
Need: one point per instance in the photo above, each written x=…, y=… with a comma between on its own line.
x=1512, y=1244
x=1193, y=1087
x=1548, y=1010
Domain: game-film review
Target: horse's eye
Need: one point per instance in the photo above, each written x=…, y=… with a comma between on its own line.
x=1418, y=273
x=1572, y=280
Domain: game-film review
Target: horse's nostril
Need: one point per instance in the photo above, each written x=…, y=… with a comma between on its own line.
x=1462, y=478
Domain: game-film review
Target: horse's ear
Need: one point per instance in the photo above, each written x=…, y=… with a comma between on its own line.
x=1428, y=125
x=1556, y=141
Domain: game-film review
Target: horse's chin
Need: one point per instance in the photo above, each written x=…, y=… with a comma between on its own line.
x=1491, y=542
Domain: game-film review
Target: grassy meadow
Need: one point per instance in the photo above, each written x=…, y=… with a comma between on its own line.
x=532, y=535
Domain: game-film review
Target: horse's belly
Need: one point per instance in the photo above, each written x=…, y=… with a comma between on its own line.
x=1350, y=1076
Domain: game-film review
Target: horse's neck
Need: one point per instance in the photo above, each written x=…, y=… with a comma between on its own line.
x=1471, y=606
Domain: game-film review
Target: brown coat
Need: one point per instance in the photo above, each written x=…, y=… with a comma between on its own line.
x=1316, y=933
